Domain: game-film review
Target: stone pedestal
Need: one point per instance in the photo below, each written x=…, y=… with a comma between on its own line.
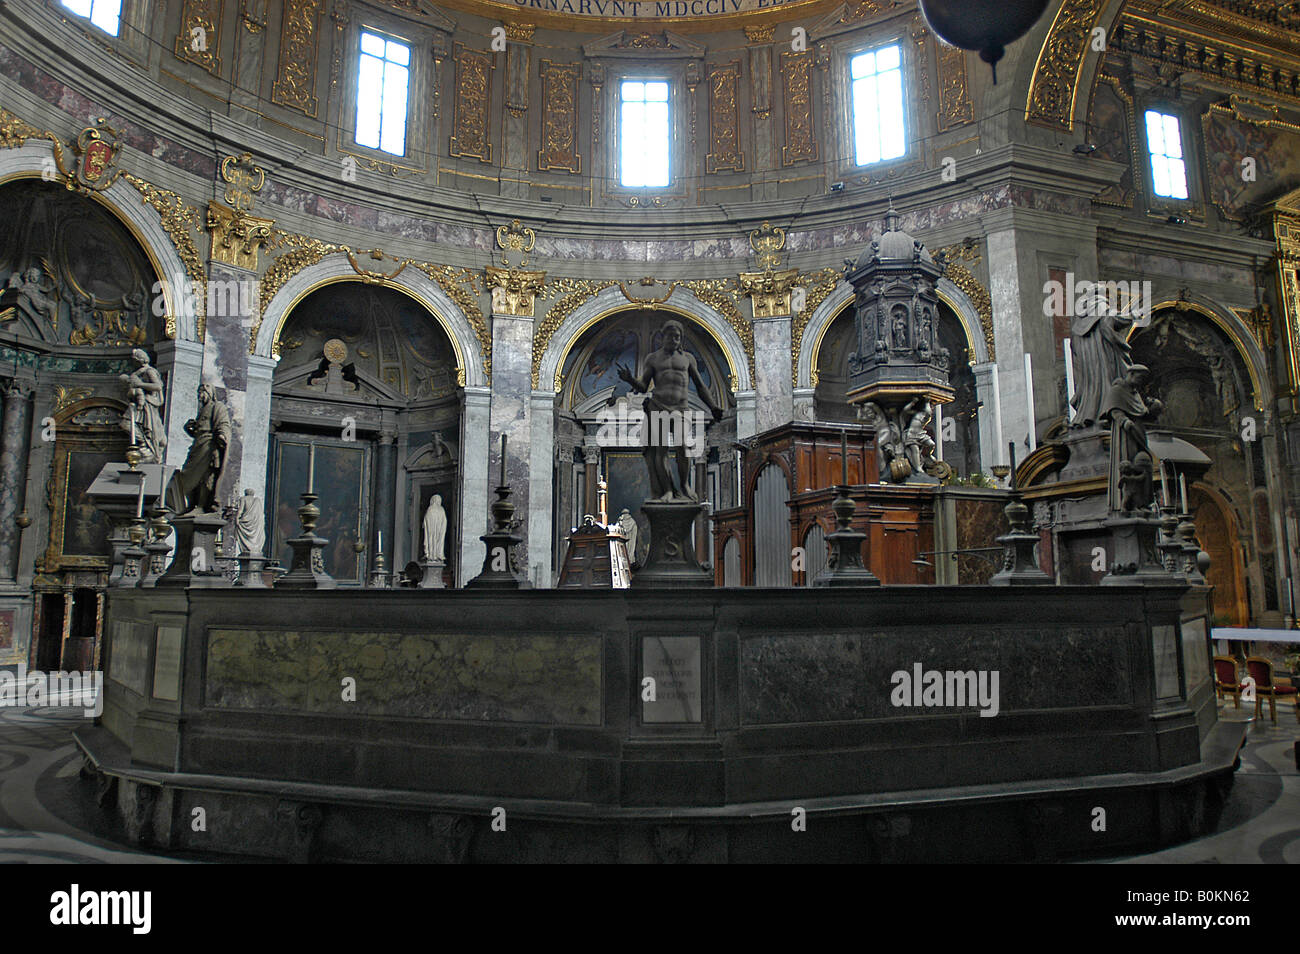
x=501, y=570
x=671, y=561
x=250, y=571
x=133, y=557
x=307, y=569
x=115, y=492
x=432, y=579
x=1019, y=568
x=844, y=545
x=1132, y=555
x=196, y=552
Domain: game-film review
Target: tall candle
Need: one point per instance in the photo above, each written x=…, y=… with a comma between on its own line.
x=1012, y=447
x=1182, y=487
x=311, y=467
x=503, y=460
x=132, y=428
x=844, y=457
x=139, y=500
x=1164, y=484
x=381, y=542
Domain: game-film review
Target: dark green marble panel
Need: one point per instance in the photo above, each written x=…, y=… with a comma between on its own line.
x=547, y=679
x=849, y=673
x=129, y=660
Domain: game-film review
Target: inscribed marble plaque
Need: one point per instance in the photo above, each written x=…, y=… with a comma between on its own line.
x=673, y=662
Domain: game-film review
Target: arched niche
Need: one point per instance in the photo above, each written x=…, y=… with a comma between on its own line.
x=1205, y=383
x=72, y=274
x=596, y=419
x=368, y=377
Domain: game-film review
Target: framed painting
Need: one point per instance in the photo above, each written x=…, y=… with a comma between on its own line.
x=341, y=480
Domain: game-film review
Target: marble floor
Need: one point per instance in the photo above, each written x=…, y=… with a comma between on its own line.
x=45, y=817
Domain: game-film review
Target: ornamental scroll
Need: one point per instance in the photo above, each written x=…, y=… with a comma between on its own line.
x=469, y=137
x=724, y=120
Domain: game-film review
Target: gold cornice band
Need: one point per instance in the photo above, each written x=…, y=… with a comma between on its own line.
x=577, y=22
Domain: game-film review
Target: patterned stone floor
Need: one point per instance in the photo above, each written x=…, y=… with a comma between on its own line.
x=44, y=816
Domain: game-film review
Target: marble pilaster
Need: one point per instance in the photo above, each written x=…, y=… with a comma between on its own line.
x=15, y=445
x=514, y=126
x=1005, y=280
x=181, y=365
x=773, y=392
x=257, y=425
x=993, y=450
x=226, y=361
x=746, y=414
x=475, y=421
x=512, y=355
x=541, y=486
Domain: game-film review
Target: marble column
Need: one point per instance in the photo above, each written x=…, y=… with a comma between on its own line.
x=512, y=367
x=746, y=414
x=15, y=445
x=475, y=420
x=181, y=365
x=232, y=297
x=385, y=498
x=993, y=450
x=1005, y=279
x=541, y=486
x=257, y=425
x=775, y=396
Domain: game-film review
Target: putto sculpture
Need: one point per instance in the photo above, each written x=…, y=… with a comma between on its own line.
x=143, y=415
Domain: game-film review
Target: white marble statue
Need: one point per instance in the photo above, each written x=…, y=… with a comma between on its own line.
x=435, y=530
x=250, y=530
x=143, y=416
x=627, y=523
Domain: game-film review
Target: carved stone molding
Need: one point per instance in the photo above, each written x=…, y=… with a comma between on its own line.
x=1054, y=85
x=965, y=279
x=569, y=293
x=296, y=85
x=236, y=236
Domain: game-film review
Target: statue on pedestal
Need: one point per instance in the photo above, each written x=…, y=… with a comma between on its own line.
x=194, y=487
x=143, y=417
x=627, y=523
x=250, y=530
x=435, y=530
x=669, y=370
x=1101, y=356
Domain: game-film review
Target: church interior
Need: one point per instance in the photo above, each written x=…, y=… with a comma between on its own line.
x=654, y=430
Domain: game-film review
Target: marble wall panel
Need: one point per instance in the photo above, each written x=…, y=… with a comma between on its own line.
x=516, y=678
x=1038, y=669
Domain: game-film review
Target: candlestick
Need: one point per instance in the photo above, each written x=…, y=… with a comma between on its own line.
x=1012, y=447
x=844, y=457
x=503, y=460
x=311, y=467
x=139, y=500
x=1182, y=487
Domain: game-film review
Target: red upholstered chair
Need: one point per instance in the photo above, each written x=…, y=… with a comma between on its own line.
x=1226, y=679
x=1261, y=670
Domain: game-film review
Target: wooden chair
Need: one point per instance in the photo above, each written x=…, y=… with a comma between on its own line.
x=1226, y=679
x=1261, y=670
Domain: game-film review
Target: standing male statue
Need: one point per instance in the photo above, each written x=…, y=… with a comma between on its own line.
x=1130, y=455
x=435, y=530
x=669, y=370
x=194, y=487
x=144, y=390
x=250, y=530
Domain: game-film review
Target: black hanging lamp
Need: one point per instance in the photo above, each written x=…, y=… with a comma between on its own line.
x=983, y=25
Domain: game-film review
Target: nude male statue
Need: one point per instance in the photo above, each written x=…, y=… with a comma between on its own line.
x=670, y=369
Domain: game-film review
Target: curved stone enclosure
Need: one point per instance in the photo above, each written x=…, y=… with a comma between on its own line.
x=777, y=700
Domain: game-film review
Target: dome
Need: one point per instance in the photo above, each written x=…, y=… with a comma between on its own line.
x=893, y=244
